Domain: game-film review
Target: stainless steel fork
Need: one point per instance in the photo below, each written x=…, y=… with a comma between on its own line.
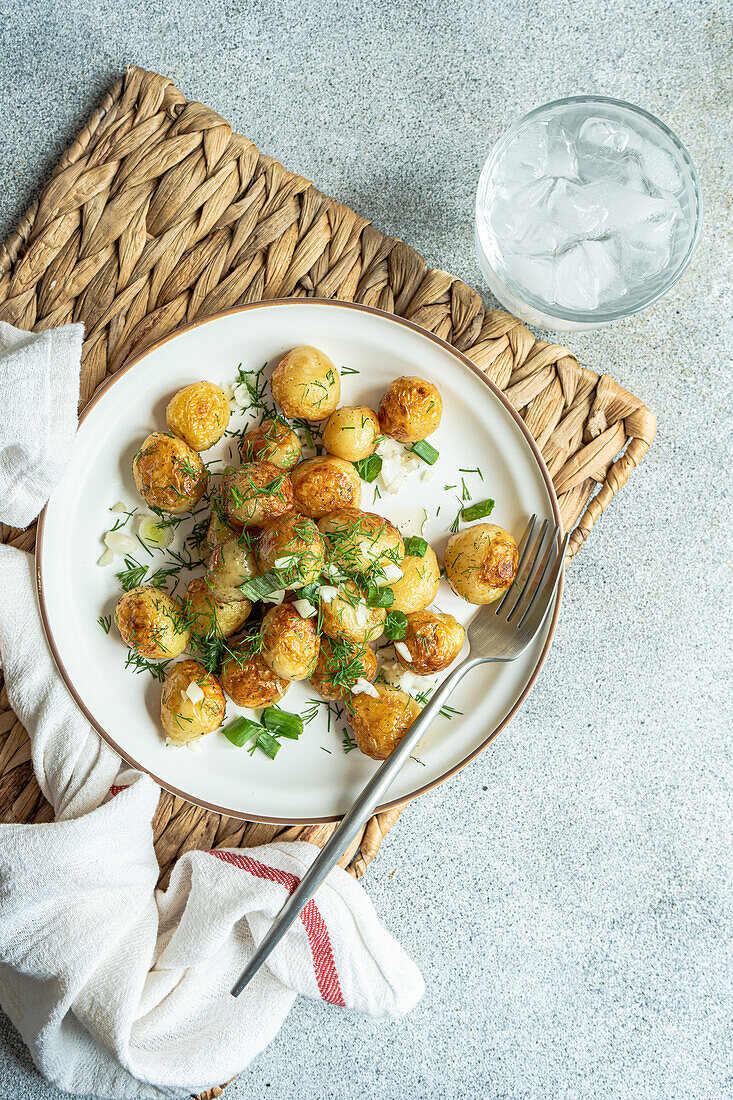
x=499, y=632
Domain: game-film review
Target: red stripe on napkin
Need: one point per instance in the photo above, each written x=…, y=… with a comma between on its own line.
x=116, y=790
x=315, y=926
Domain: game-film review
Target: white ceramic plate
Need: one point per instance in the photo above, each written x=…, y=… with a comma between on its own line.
x=304, y=783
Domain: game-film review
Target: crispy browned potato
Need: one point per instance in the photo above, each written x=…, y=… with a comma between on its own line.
x=256, y=493
x=433, y=641
x=323, y=484
x=481, y=562
x=182, y=718
x=346, y=615
x=210, y=618
x=362, y=542
x=273, y=441
x=305, y=383
x=410, y=409
x=220, y=530
x=289, y=643
x=231, y=565
x=380, y=724
x=151, y=623
x=351, y=432
x=293, y=547
x=199, y=414
x=249, y=682
x=168, y=474
x=340, y=665
x=419, y=583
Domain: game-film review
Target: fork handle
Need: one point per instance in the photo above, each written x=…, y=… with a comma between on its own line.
x=357, y=816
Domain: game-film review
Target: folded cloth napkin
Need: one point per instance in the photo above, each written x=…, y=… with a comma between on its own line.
x=39, y=384
x=119, y=989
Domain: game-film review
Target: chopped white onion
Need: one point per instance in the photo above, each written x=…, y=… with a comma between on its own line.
x=275, y=597
x=363, y=687
x=328, y=593
x=286, y=562
x=392, y=573
x=240, y=394
x=107, y=558
x=154, y=534
x=120, y=543
x=428, y=473
x=403, y=651
x=305, y=608
x=120, y=506
x=407, y=681
x=361, y=613
x=194, y=692
x=196, y=745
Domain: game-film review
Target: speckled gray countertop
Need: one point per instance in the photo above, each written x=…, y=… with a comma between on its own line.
x=568, y=896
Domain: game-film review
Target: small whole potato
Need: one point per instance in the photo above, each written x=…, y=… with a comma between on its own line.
x=380, y=724
x=199, y=415
x=210, y=618
x=340, y=665
x=293, y=547
x=273, y=441
x=289, y=643
x=419, y=583
x=362, y=542
x=323, y=484
x=433, y=641
x=351, y=432
x=346, y=615
x=249, y=682
x=410, y=409
x=168, y=474
x=305, y=383
x=481, y=562
x=181, y=717
x=219, y=530
x=151, y=623
x=230, y=565
x=256, y=493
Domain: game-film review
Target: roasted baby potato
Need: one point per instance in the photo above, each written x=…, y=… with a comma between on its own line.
x=305, y=383
x=168, y=474
x=291, y=545
x=481, y=562
x=410, y=409
x=323, y=484
x=256, y=493
x=362, y=542
x=340, y=664
x=433, y=641
x=351, y=432
x=419, y=583
x=219, y=530
x=273, y=441
x=210, y=618
x=289, y=643
x=199, y=414
x=346, y=615
x=230, y=565
x=251, y=683
x=151, y=623
x=380, y=724
x=192, y=702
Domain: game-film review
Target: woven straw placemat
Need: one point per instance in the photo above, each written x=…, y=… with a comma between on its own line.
x=159, y=214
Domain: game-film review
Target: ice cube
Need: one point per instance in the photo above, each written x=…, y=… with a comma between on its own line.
x=576, y=283
x=647, y=250
x=534, y=273
x=604, y=259
x=603, y=133
x=561, y=158
x=526, y=157
x=625, y=208
x=516, y=209
x=574, y=208
x=659, y=167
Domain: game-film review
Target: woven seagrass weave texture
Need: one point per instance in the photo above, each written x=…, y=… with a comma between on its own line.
x=159, y=214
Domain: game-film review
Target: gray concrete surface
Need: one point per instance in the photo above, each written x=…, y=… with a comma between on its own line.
x=568, y=896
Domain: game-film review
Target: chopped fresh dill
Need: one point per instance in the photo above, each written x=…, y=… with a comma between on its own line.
x=105, y=621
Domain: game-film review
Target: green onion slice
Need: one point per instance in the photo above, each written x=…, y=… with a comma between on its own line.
x=379, y=597
x=268, y=744
x=282, y=722
x=257, y=587
x=241, y=731
x=395, y=626
x=415, y=546
x=368, y=468
x=426, y=451
x=478, y=510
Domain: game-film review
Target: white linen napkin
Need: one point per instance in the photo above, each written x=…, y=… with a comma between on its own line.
x=119, y=989
x=39, y=384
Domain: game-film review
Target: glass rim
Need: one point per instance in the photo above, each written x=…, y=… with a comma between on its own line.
x=598, y=316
